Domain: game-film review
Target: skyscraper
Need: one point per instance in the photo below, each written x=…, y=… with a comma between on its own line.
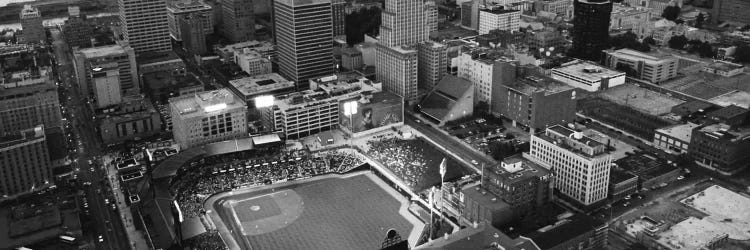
x=31, y=23
x=123, y=55
x=193, y=34
x=28, y=103
x=433, y=64
x=182, y=8
x=304, y=35
x=590, y=28
x=145, y=25
x=238, y=20
x=404, y=25
x=338, y=10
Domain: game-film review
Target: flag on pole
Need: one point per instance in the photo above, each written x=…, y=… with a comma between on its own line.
x=442, y=169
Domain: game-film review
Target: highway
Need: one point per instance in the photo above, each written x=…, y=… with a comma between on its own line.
x=450, y=143
x=107, y=221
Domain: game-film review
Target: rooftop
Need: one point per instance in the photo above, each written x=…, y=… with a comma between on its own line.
x=497, y=10
x=737, y=97
x=681, y=132
x=633, y=55
x=485, y=199
x=587, y=70
x=488, y=56
x=103, y=51
x=571, y=134
x=729, y=112
x=531, y=84
x=205, y=102
x=483, y=236
x=441, y=99
x=565, y=229
x=254, y=45
x=21, y=136
x=692, y=107
x=187, y=6
x=724, y=66
x=617, y=176
x=722, y=130
x=325, y=89
x=302, y=2
x=516, y=168
x=263, y=83
x=645, y=166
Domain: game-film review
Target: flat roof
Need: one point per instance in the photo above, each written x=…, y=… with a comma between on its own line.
x=205, y=102
x=737, y=97
x=617, y=176
x=483, y=236
x=302, y=2
x=568, y=133
x=337, y=89
x=102, y=51
x=169, y=167
x=531, y=84
x=724, y=66
x=263, y=83
x=645, y=166
x=724, y=130
x=587, y=70
x=508, y=170
x=264, y=139
x=564, y=230
x=729, y=112
x=653, y=57
x=681, y=132
x=485, y=198
x=498, y=10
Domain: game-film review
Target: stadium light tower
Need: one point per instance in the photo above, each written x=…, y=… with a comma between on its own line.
x=350, y=109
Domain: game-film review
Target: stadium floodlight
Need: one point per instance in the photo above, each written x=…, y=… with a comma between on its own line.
x=264, y=101
x=350, y=108
x=215, y=107
x=179, y=212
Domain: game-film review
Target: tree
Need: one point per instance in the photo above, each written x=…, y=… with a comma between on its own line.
x=705, y=50
x=699, y=20
x=671, y=13
x=678, y=42
x=482, y=108
x=628, y=40
x=629, y=71
x=649, y=40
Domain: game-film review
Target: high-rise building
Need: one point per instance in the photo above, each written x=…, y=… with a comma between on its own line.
x=124, y=56
x=28, y=102
x=193, y=34
x=561, y=8
x=145, y=25
x=486, y=71
x=730, y=10
x=338, y=11
x=207, y=117
x=433, y=64
x=470, y=14
x=590, y=28
x=498, y=18
x=404, y=25
x=77, y=31
x=304, y=35
x=31, y=24
x=238, y=20
x=24, y=161
x=182, y=8
x=580, y=165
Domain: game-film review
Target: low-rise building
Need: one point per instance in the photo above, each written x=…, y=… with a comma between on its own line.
x=723, y=68
x=248, y=88
x=351, y=59
x=674, y=139
x=621, y=184
x=588, y=76
x=630, y=18
x=721, y=147
x=652, y=172
x=652, y=67
x=206, y=117
x=520, y=182
x=451, y=99
x=481, y=206
x=265, y=48
x=132, y=119
x=572, y=231
x=253, y=62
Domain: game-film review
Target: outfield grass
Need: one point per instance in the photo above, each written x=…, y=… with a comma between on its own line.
x=338, y=213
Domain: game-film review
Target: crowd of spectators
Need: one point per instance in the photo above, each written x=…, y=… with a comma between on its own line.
x=405, y=158
x=206, y=241
x=226, y=173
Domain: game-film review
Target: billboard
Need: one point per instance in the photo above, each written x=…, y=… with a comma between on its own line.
x=383, y=109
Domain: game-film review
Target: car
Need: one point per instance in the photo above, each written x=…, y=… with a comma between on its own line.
x=90, y=162
x=106, y=201
x=418, y=121
x=626, y=204
x=679, y=178
x=627, y=197
x=91, y=169
x=101, y=238
x=474, y=162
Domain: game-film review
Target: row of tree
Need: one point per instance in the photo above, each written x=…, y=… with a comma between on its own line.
x=704, y=49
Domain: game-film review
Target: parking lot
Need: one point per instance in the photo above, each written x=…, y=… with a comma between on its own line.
x=483, y=133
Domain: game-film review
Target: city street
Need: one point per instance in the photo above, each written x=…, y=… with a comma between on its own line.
x=107, y=221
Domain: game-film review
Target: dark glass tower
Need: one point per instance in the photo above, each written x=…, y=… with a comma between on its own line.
x=590, y=28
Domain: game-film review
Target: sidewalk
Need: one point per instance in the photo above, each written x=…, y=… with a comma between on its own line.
x=137, y=241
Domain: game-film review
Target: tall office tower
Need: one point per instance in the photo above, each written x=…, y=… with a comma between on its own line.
x=207, y=117
x=28, y=103
x=730, y=10
x=144, y=25
x=24, y=161
x=124, y=56
x=77, y=31
x=470, y=14
x=433, y=64
x=580, y=165
x=182, y=8
x=304, y=35
x=193, y=34
x=338, y=10
x=590, y=28
x=404, y=25
x=238, y=20
x=31, y=24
